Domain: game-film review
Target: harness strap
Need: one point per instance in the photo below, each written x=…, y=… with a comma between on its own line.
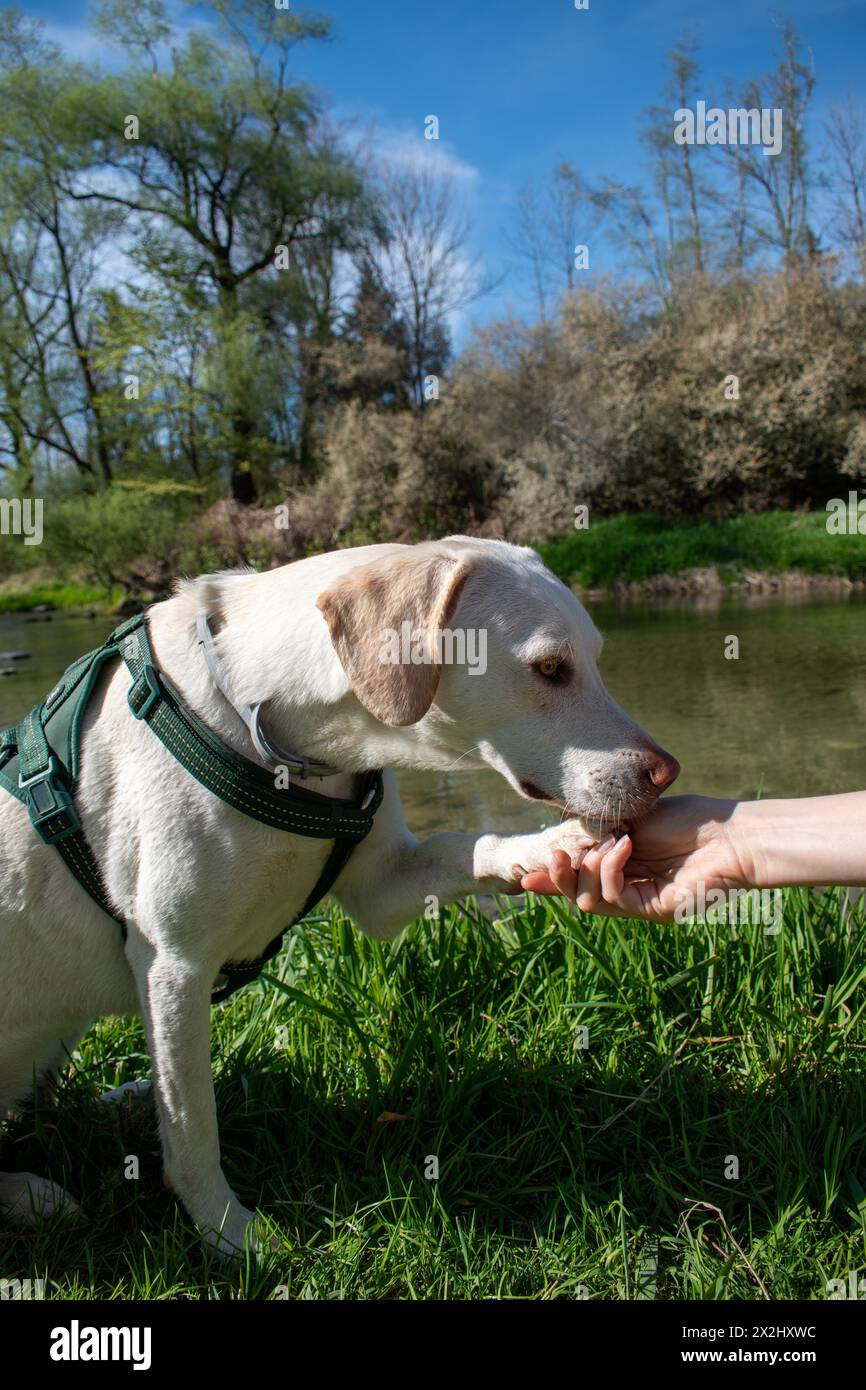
x=45, y=784
x=230, y=776
x=46, y=778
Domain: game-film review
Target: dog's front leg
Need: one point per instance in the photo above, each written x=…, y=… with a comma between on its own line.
x=392, y=877
x=175, y=1003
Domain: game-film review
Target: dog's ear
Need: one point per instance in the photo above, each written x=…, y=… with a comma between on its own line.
x=377, y=611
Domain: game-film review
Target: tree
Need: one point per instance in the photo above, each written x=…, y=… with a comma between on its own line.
x=222, y=170
x=779, y=219
x=681, y=192
x=49, y=257
x=632, y=215
x=424, y=264
x=370, y=361
x=847, y=134
x=550, y=223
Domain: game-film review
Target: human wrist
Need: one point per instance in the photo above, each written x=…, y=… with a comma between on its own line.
x=753, y=830
x=806, y=841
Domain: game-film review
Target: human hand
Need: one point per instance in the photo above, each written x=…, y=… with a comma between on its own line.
x=685, y=847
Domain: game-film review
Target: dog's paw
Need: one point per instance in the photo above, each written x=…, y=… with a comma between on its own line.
x=510, y=859
x=571, y=836
x=27, y=1202
x=238, y=1232
x=127, y=1093
x=531, y=853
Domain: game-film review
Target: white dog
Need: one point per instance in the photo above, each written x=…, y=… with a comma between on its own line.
x=199, y=883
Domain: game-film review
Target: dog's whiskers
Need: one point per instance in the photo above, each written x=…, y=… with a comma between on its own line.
x=467, y=754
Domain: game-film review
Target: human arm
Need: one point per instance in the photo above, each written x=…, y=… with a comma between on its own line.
x=691, y=845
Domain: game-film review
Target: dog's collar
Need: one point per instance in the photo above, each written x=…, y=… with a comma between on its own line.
x=269, y=752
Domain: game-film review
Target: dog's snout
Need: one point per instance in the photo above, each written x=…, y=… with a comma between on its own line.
x=663, y=770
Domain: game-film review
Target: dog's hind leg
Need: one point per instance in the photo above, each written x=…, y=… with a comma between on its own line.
x=130, y=1090
x=27, y=1200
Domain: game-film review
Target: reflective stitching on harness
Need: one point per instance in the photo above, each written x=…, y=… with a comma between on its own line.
x=87, y=866
x=191, y=752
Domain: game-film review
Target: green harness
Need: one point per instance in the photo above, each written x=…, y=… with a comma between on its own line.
x=40, y=761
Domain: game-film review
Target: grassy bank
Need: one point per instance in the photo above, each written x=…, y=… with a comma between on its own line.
x=631, y=549
x=618, y=551
x=600, y=1171
x=57, y=594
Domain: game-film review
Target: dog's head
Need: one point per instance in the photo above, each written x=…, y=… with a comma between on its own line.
x=483, y=657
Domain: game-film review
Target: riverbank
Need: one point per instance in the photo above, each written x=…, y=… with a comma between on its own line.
x=26, y=594
x=640, y=557
x=712, y=583
x=652, y=557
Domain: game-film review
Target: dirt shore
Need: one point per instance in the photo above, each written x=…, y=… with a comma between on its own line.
x=708, y=583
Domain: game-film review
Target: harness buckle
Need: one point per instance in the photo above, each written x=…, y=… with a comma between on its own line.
x=51, y=808
x=148, y=678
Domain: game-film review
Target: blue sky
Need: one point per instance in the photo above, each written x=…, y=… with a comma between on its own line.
x=518, y=85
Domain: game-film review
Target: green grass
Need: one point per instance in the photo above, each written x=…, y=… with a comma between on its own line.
x=59, y=595
x=639, y=547
x=564, y=1171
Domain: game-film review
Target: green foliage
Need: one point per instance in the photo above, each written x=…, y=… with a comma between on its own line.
x=232, y=360
x=217, y=162
x=130, y=535
x=57, y=594
x=638, y=547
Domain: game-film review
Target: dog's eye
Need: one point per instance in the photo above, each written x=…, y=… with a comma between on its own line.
x=552, y=668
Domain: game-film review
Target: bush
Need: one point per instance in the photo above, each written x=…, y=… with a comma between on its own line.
x=625, y=412
x=131, y=535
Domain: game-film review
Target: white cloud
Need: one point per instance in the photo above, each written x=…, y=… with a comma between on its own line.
x=78, y=42
x=409, y=150
x=82, y=43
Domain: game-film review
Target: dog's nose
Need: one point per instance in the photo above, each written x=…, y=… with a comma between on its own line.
x=663, y=770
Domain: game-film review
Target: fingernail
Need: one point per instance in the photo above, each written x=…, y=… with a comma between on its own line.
x=622, y=839
x=605, y=844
